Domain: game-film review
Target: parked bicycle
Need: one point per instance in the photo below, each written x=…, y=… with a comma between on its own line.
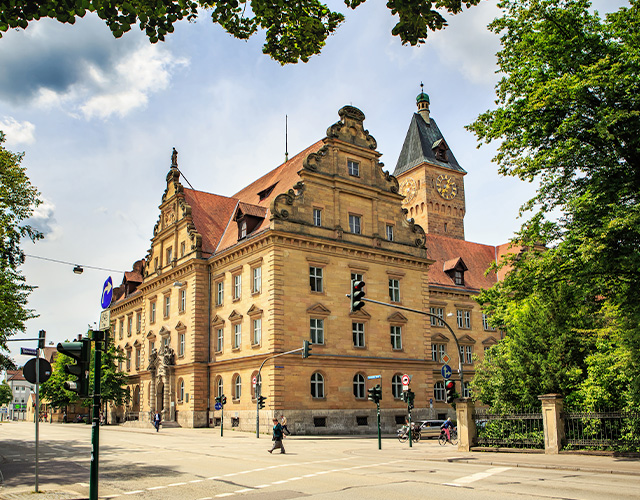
x=442, y=440
x=403, y=433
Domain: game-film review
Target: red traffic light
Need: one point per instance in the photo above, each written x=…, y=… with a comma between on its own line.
x=450, y=385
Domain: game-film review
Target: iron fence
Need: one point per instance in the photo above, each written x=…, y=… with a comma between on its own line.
x=602, y=430
x=509, y=430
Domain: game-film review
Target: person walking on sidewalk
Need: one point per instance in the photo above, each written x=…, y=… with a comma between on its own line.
x=277, y=437
x=156, y=421
x=283, y=420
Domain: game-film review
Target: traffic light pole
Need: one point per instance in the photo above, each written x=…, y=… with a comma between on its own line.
x=433, y=316
x=379, y=431
x=98, y=337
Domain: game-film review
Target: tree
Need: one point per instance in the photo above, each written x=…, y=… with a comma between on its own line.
x=53, y=389
x=295, y=30
x=568, y=117
x=113, y=383
x=18, y=198
x=5, y=393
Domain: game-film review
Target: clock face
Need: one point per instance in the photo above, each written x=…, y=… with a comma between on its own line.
x=408, y=188
x=446, y=186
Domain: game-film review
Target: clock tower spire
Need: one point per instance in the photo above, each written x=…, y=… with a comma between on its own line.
x=430, y=177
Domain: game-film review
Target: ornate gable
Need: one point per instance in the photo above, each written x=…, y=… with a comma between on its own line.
x=318, y=310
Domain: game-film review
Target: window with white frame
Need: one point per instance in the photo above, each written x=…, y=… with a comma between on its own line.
x=183, y=248
x=317, y=217
x=317, y=385
x=219, y=339
x=121, y=328
x=358, y=386
x=237, y=286
x=316, y=330
x=355, y=225
x=237, y=387
x=237, y=335
x=466, y=354
x=181, y=390
x=219, y=293
x=353, y=167
x=396, y=386
x=167, y=305
x=315, y=278
x=485, y=323
x=256, y=279
x=138, y=322
x=357, y=329
x=389, y=232
x=439, y=312
x=243, y=229
x=183, y=300
x=438, y=391
x=394, y=290
x=257, y=331
x=138, y=358
x=169, y=255
x=464, y=318
x=152, y=314
x=181, y=344
x=437, y=351
x=396, y=337
x=357, y=276
x=129, y=325
x=220, y=387
x=129, y=360
x=465, y=390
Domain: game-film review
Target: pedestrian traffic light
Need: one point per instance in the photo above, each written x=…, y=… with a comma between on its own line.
x=41, y=338
x=261, y=400
x=357, y=293
x=450, y=387
x=80, y=352
x=306, y=349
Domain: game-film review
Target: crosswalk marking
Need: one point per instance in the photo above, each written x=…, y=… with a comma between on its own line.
x=477, y=476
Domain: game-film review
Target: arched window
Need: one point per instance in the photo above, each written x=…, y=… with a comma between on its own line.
x=237, y=387
x=438, y=391
x=181, y=390
x=358, y=386
x=396, y=386
x=317, y=385
x=220, y=387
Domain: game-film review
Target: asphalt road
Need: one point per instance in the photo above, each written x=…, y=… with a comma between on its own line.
x=198, y=464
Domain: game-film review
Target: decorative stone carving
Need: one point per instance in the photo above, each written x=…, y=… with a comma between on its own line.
x=312, y=160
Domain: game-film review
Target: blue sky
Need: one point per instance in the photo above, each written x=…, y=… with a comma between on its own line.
x=98, y=117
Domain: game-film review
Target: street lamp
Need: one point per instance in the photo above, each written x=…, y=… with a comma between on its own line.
x=78, y=270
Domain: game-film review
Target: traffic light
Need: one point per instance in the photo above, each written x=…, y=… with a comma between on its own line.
x=223, y=400
x=450, y=387
x=218, y=399
x=375, y=394
x=41, y=338
x=306, y=349
x=357, y=293
x=261, y=400
x=410, y=396
x=80, y=352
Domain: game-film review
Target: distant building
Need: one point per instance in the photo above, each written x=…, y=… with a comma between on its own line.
x=21, y=390
x=230, y=281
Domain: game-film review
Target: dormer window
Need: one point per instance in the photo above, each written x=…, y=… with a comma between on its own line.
x=248, y=217
x=440, y=149
x=455, y=269
x=243, y=229
x=458, y=277
x=266, y=192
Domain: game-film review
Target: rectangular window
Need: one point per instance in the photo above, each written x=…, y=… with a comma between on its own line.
x=466, y=354
x=138, y=358
x=357, y=276
x=167, y=306
x=396, y=337
x=437, y=311
x=256, y=282
x=485, y=323
x=458, y=277
x=152, y=314
x=354, y=224
x=183, y=248
x=128, y=360
x=354, y=168
x=315, y=279
x=437, y=351
x=181, y=344
x=219, y=293
x=237, y=335
x=317, y=331
x=138, y=322
x=389, y=232
x=358, y=334
x=129, y=325
x=121, y=328
x=394, y=290
x=237, y=286
x=219, y=339
x=183, y=300
x=169, y=255
x=317, y=217
x=257, y=331
x=464, y=318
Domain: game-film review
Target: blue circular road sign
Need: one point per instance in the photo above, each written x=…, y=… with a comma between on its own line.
x=107, y=293
x=217, y=406
x=446, y=372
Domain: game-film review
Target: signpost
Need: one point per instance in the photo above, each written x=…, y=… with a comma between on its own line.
x=446, y=372
x=107, y=293
x=28, y=351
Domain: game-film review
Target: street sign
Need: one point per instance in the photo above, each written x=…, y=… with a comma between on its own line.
x=29, y=370
x=105, y=319
x=107, y=293
x=445, y=358
x=405, y=379
x=446, y=372
x=254, y=381
x=218, y=406
x=370, y=377
x=27, y=351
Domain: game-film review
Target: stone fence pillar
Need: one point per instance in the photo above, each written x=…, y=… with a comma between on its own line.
x=553, y=422
x=466, y=424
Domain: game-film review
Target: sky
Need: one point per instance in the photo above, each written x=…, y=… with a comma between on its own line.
x=97, y=119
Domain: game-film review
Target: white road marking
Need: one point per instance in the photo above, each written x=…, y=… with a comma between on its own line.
x=197, y=481
x=280, y=482
x=263, y=486
x=224, y=495
x=477, y=476
x=157, y=488
x=213, y=477
x=243, y=490
x=133, y=492
x=176, y=484
x=84, y=485
x=205, y=498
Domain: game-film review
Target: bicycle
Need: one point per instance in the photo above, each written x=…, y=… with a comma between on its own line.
x=403, y=434
x=442, y=440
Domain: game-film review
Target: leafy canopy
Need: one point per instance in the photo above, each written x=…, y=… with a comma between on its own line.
x=568, y=117
x=295, y=29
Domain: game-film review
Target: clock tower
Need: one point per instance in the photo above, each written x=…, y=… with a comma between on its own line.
x=430, y=177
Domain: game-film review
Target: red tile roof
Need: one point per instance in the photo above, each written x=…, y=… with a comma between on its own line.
x=211, y=216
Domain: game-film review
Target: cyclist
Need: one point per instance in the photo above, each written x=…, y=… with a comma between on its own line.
x=447, y=428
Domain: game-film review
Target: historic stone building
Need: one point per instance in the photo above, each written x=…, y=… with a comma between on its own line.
x=230, y=282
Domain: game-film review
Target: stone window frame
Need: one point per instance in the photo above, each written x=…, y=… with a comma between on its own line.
x=255, y=314
x=314, y=382
x=236, y=384
x=217, y=323
x=183, y=248
x=129, y=324
x=395, y=277
x=169, y=254
x=236, y=280
x=396, y=386
x=218, y=286
x=463, y=318
x=138, y=321
x=396, y=320
x=152, y=310
x=166, y=309
x=362, y=333
x=355, y=223
x=121, y=331
x=254, y=266
x=438, y=310
x=219, y=385
x=389, y=232
x=182, y=299
x=439, y=393
x=353, y=167
x=236, y=330
x=361, y=383
x=317, y=216
x=180, y=390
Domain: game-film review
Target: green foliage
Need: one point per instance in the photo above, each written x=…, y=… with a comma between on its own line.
x=295, y=29
x=53, y=389
x=568, y=117
x=18, y=198
x=5, y=393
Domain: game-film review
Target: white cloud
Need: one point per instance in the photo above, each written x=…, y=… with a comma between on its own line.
x=44, y=221
x=17, y=132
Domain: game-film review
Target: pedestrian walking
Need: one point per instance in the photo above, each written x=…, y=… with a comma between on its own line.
x=283, y=421
x=277, y=437
x=156, y=421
